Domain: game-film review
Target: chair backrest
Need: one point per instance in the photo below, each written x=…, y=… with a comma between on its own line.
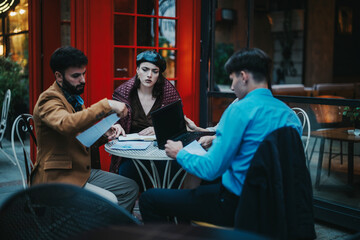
x=22, y=126
x=4, y=113
x=58, y=211
x=345, y=90
x=289, y=89
x=305, y=121
x=276, y=199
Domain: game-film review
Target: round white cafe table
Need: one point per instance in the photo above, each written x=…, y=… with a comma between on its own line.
x=152, y=154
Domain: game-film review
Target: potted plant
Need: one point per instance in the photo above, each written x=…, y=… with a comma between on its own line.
x=353, y=115
x=11, y=77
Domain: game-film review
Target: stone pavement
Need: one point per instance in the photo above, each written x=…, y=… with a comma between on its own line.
x=10, y=182
x=10, y=177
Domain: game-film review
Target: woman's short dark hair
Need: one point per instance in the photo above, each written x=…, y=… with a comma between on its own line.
x=65, y=57
x=252, y=60
x=158, y=86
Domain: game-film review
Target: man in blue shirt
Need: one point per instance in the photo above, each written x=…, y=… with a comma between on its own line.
x=243, y=126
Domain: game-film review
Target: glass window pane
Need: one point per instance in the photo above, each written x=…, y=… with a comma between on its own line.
x=18, y=19
x=167, y=33
x=146, y=7
x=1, y=46
x=124, y=30
x=124, y=62
x=167, y=8
x=170, y=57
x=18, y=49
x=124, y=6
x=145, y=31
x=65, y=10
x=65, y=34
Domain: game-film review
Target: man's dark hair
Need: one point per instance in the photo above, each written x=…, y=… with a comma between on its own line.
x=65, y=57
x=252, y=60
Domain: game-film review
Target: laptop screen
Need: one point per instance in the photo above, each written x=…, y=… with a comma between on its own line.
x=168, y=122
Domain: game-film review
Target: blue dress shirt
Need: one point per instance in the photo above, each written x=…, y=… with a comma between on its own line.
x=242, y=127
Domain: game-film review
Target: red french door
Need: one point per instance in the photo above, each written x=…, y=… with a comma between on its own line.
x=171, y=27
x=111, y=33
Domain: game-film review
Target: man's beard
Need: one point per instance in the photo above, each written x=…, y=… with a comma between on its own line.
x=73, y=90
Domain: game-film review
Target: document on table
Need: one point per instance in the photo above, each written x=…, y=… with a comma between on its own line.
x=137, y=137
x=131, y=145
x=195, y=148
x=92, y=134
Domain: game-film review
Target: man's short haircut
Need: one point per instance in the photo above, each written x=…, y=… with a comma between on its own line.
x=65, y=57
x=252, y=60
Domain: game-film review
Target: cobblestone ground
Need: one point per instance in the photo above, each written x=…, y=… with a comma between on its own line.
x=10, y=182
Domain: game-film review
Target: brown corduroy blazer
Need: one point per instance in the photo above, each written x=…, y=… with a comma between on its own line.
x=60, y=156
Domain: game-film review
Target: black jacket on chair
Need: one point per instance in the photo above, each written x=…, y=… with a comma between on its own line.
x=276, y=200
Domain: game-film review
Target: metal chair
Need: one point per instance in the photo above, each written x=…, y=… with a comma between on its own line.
x=306, y=129
x=58, y=211
x=3, y=121
x=328, y=116
x=22, y=126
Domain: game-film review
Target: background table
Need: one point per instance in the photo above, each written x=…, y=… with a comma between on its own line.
x=336, y=134
x=152, y=153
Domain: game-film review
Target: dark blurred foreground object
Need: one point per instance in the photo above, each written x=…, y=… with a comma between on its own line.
x=168, y=232
x=58, y=211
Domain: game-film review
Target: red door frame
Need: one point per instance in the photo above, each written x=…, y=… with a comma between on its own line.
x=92, y=32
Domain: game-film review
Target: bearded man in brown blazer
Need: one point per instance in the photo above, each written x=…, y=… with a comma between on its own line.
x=59, y=116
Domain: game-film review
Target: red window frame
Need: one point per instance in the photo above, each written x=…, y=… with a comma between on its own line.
x=135, y=47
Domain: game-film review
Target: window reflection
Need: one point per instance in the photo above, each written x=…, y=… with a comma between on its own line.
x=145, y=31
x=65, y=34
x=124, y=62
x=167, y=33
x=18, y=50
x=167, y=8
x=123, y=30
x=65, y=27
x=18, y=18
x=1, y=46
x=124, y=6
x=146, y=7
x=65, y=10
x=170, y=57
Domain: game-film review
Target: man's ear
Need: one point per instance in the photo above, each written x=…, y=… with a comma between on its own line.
x=58, y=77
x=244, y=76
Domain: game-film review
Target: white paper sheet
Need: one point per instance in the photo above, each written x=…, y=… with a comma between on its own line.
x=92, y=134
x=195, y=148
x=137, y=137
x=131, y=145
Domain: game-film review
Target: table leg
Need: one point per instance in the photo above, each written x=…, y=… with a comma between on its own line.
x=166, y=174
x=176, y=176
x=155, y=174
x=320, y=160
x=350, y=163
x=138, y=163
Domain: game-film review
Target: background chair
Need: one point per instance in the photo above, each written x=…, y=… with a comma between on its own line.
x=306, y=129
x=328, y=116
x=3, y=121
x=58, y=211
x=23, y=126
